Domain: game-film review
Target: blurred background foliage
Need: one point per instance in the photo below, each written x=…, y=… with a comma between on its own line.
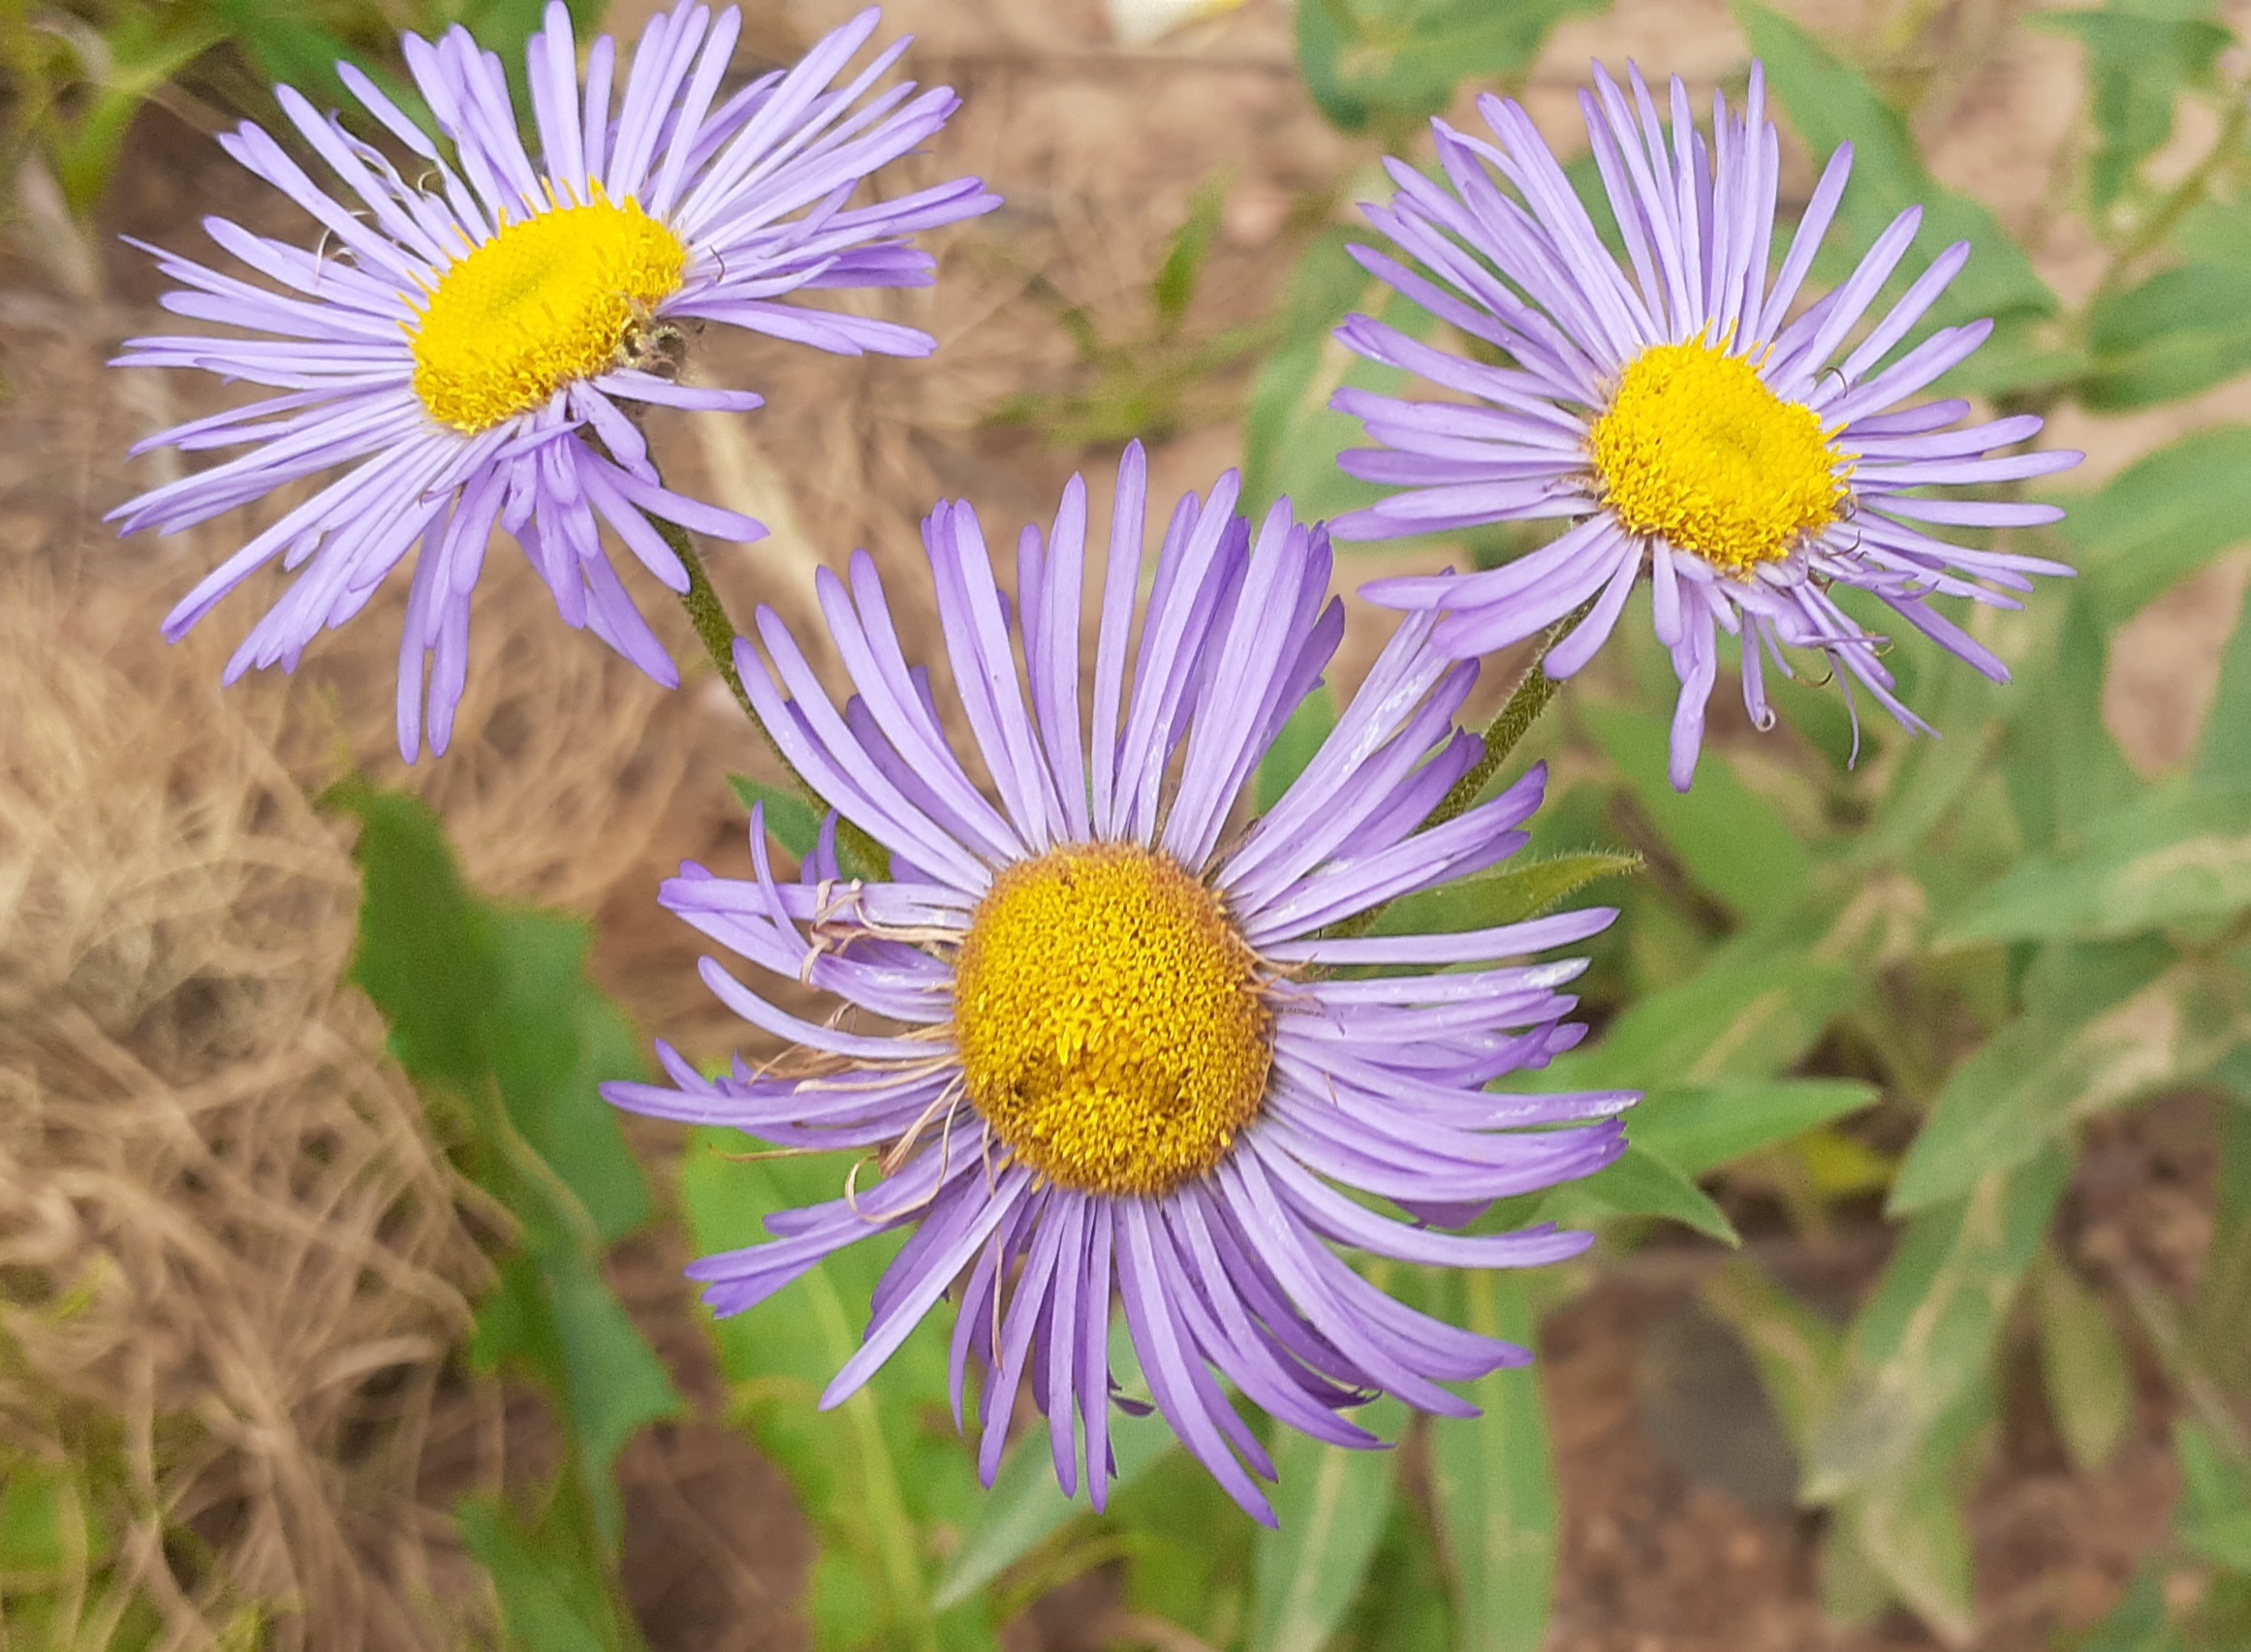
x=1862, y=979
x=79, y=73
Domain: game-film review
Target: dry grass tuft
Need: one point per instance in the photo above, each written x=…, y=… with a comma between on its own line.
x=234, y=1261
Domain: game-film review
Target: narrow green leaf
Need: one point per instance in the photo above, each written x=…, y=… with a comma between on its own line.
x=2223, y=758
x=2171, y=335
x=2063, y=768
x=1801, y=1357
x=789, y=821
x=1508, y=894
x=2162, y=518
x=1828, y=104
x=1727, y=838
x=2034, y=1080
x=2175, y=856
x=2137, y=1623
x=1026, y=1505
x=1640, y=1183
x=548, y=1601
x=46, y=1523
x=2139, y=56
x=1495, y=1481
x=493, y=1005
x=1910, y=1525
x=1750, y=1012
x=286, y=45
x=1384, y=61
x=2220, y=1316
x=1291, y=434
x=2083, y=1363
x=884, y=1470
x=1700, y=1129
x=1927, y=1336
x=422, y=956
x=1175, y=284
x=555, y=1040
x=2214, y=1517
x=1331, y=1504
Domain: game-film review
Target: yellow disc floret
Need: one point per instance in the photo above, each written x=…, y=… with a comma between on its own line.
x=546, y=302
x=1109, y=1020
x=1695, y=449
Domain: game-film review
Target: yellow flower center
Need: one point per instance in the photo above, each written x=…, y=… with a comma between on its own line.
x=546, y=302
x=1697, y=449
x=1109, y=1021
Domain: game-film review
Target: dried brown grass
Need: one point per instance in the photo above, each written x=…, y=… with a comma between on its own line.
x=235, y=1264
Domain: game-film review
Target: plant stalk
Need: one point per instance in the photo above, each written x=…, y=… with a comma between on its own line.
x=1515, y=718
x=717, y=633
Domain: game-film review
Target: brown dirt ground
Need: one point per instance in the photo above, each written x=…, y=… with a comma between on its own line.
x=577, y=783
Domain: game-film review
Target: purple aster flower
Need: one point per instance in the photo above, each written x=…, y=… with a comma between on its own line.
x=1123, y=1063
x=464, y=347
x=1673, y=412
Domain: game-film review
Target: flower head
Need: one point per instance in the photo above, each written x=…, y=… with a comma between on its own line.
x=1123, y=1063
x=1674, y=413
x=464, y=347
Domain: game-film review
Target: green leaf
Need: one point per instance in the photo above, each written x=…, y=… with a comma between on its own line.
x=2173, y=856
x=1506, y=895
x=492, y=1006
x=1830, y=104
x=1727, y=837
x=1295, y=747
x=1910, y=1523
x=2223, y=756
x=1291, y=434
x=2137, y=1623
x=2214, y=1517
x=789, y=821
x=1331, y=1504
x=555, y=1040
x=550, y=1600
x=145, y=48
x=2177, y=333
x=1026, y=1506
x=1699, y=1129
x=45, y=1524
x=1175, y=283
x=1639, y=1183
x=1933, y=780
x=2063, y=768
x=2162, y=518
x=2036, y=1079
x=2140, y=53
x=423, y=955
x=1394, y=61
x=1801, y=1357
x=285, y=44
x=1927, y=1336
x=884, y=1471
x=2220, y=1315
x=2083, y=1364
x=1750, y=1012
x=1494, y=1485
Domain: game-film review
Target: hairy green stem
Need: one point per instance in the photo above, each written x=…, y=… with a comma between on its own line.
x=1518, y=713
x=2183, y=196
x=717, y=633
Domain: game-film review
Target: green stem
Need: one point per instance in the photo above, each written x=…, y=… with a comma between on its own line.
x=2177, y=202
x=717, y=633
x=1518, y=713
